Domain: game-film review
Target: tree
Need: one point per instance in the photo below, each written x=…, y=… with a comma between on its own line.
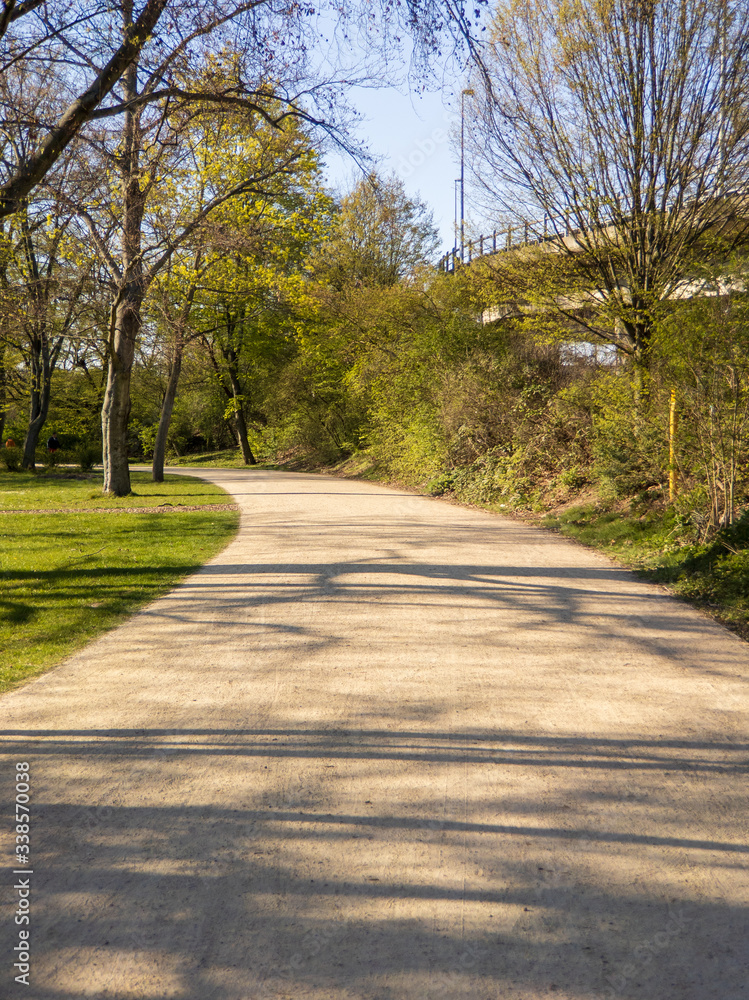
x=134, y=205
x=133, y=139
x=620, y=127
x=54, y=33
x=174, y=302
x=366, y=302
x=91, y=49
x=381, y=235
x=243, y=262
x=119, y=75
x=256, y=292
x=44, y=294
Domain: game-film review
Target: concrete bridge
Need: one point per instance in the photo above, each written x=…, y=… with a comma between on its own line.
x=558, y=232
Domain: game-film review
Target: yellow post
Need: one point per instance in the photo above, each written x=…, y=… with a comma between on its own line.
x=673, y=423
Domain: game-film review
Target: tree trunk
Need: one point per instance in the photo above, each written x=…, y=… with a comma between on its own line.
x=240, y=428
x=162, y=432
x=41, y=379
x=115, y=411
x=37, y=418
x=3, y=395
x=126, y=310
x=159, y=447
x=240, y=424
x=638, y=333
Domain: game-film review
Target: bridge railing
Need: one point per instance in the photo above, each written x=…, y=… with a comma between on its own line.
x=523, y=234
x=551, y=227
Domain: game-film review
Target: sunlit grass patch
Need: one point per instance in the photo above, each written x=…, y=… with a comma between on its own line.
x=71, y=488
x=713, y=575
x=229, y=458
x=66, y=578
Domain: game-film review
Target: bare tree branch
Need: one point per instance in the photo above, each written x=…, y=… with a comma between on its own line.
x=617, y=127
x=12, y=11
x=37, y=166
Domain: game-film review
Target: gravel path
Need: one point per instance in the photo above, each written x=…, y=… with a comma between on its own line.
x=383, y=747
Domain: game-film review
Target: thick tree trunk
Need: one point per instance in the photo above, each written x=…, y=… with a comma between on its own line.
x=240, y=428
x=37, y=417
x=126, y=310
x=643, y=376
x=115, y=412
x=159, y=448
x=635, y=337
x=240, y=424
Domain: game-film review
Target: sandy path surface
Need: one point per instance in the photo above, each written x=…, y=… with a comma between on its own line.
x=384, y=747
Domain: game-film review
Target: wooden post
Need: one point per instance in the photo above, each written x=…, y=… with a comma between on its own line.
x=481, y=246
x=509, y=237
x=525, y=234
x=673, y=426
x=494, y=243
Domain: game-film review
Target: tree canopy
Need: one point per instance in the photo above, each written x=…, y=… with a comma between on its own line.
x=621, y=128
x=380, y=236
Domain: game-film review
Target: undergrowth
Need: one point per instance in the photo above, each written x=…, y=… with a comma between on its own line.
x=713, y=575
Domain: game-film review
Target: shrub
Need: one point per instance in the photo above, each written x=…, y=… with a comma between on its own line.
x=12, y=459
x=89, y=455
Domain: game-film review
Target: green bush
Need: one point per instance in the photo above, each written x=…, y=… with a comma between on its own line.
x=12, y=459
x=573, y=478
x=444, y=483
x=630, y=445
x=89, y=455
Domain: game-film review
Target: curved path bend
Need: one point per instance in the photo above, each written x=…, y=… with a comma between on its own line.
x=383, y=747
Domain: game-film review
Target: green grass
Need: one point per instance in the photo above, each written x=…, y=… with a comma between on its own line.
x=230, y=458
x=714, y=575
x=68, y=488
x=66, y=578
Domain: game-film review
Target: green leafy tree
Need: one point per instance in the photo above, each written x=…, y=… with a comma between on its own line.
x=381, y=236
x=47, y=290
x=254, y=293
x=380, y=240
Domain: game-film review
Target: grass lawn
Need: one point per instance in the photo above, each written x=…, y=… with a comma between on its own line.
x=229, y=458
x=714, y=576
x=63, y=487
x=67, y=577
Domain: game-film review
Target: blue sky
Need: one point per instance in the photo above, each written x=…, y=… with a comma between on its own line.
x=411, y=134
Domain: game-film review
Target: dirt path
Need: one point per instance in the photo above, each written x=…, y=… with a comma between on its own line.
x=383, y=747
